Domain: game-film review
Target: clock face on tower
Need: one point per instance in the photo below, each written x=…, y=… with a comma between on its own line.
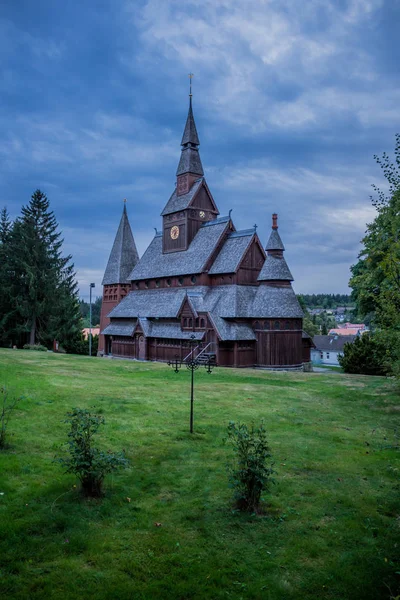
x=174, y=232
x=202, y=214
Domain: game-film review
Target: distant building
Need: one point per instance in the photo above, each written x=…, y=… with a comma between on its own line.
x=328, y=347
x=86, y=330
x=349, y=329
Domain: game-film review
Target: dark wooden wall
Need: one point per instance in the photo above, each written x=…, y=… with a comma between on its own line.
x=112, y=295
x=279, y=348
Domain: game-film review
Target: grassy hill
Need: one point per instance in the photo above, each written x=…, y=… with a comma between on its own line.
x=331, y=527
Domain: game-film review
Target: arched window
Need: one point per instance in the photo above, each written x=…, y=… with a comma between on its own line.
x=193, y=279
x=169, y=282
x=267, y=325
x=185, y=322
x=277, y=325
x=257, y=325
x=180, y=280
x=157, y=283
x=202, y=324
x=287, y=325
x=197, y=323
x=190, y=323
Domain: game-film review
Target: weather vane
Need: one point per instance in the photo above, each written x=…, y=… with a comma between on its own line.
x=190, y=77
x=124, y=200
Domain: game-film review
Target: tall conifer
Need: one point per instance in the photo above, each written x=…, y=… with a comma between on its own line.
x=45, y=291
x=6, y=308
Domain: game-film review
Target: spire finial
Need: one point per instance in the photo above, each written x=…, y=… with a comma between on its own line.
x=274, y=221
x=124, y=200
x=190, y=85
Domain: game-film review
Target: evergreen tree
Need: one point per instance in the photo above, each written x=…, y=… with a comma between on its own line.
x=45, y=290
x=6, y=305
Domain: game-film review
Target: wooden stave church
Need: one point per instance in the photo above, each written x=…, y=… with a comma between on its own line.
x=200, y=278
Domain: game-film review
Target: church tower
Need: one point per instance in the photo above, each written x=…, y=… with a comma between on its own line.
x=122, y=260
x=191, y=203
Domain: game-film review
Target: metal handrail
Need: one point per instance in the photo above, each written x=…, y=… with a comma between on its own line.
x=190, y=353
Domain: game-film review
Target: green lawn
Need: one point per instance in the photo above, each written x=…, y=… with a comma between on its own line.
x=331, y=528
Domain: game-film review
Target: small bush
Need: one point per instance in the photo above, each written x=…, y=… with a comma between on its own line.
x=90, y=464
x=7, y=406
x=38, y=347
x=367, y=355
x=250, y=473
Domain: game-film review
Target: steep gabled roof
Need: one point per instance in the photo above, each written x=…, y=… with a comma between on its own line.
x=232, y=252
x=123, y=256
x=154, y=263
x=177, y=203
x=275, y=268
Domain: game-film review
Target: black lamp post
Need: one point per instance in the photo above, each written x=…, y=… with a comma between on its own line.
x=90, y=318
x=192, y=363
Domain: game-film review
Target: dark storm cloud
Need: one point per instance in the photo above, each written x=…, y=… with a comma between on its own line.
x=291, y=102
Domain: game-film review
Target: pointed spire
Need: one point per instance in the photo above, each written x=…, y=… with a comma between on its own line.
x=190, y=133
x=190, y=161
x=123, y=256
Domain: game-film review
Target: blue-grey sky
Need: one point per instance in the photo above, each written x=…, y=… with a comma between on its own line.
x=291, y=99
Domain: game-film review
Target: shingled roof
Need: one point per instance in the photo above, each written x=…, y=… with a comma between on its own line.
x=177, y=203
x=274, y=242
x=275, y=268
x=232, y=252
x=225, y=301
x=123, y=327
x=123, y=256
x=155, y=264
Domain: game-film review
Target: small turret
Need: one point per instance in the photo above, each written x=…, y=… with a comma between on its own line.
x=275, y=269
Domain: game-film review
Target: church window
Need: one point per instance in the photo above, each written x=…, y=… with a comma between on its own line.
x=277, y=325
x=287, y=324
x=169, y=282
x=157, y=283
x=202, y=323
x=146, y=284
x=266, y=325
x=185, y=322
x=180, y=280
x=197, y=323
x=193, y=279
x=190, y=323
x=257, y=325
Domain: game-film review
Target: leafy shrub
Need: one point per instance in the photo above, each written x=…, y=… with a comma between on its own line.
x=90, y=464
x=367, y=355
x=38, y=347
x=7, y=406
x=80, y=345
x=250, y=473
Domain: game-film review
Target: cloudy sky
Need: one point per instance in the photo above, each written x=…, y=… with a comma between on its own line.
x=291, y=99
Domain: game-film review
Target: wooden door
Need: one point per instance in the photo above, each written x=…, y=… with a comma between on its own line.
x=142, y=347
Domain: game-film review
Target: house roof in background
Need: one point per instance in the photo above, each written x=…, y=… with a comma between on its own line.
x=332, y=342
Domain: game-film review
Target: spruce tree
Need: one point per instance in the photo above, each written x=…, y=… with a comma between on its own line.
x=45, y=290
x=6, y=306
